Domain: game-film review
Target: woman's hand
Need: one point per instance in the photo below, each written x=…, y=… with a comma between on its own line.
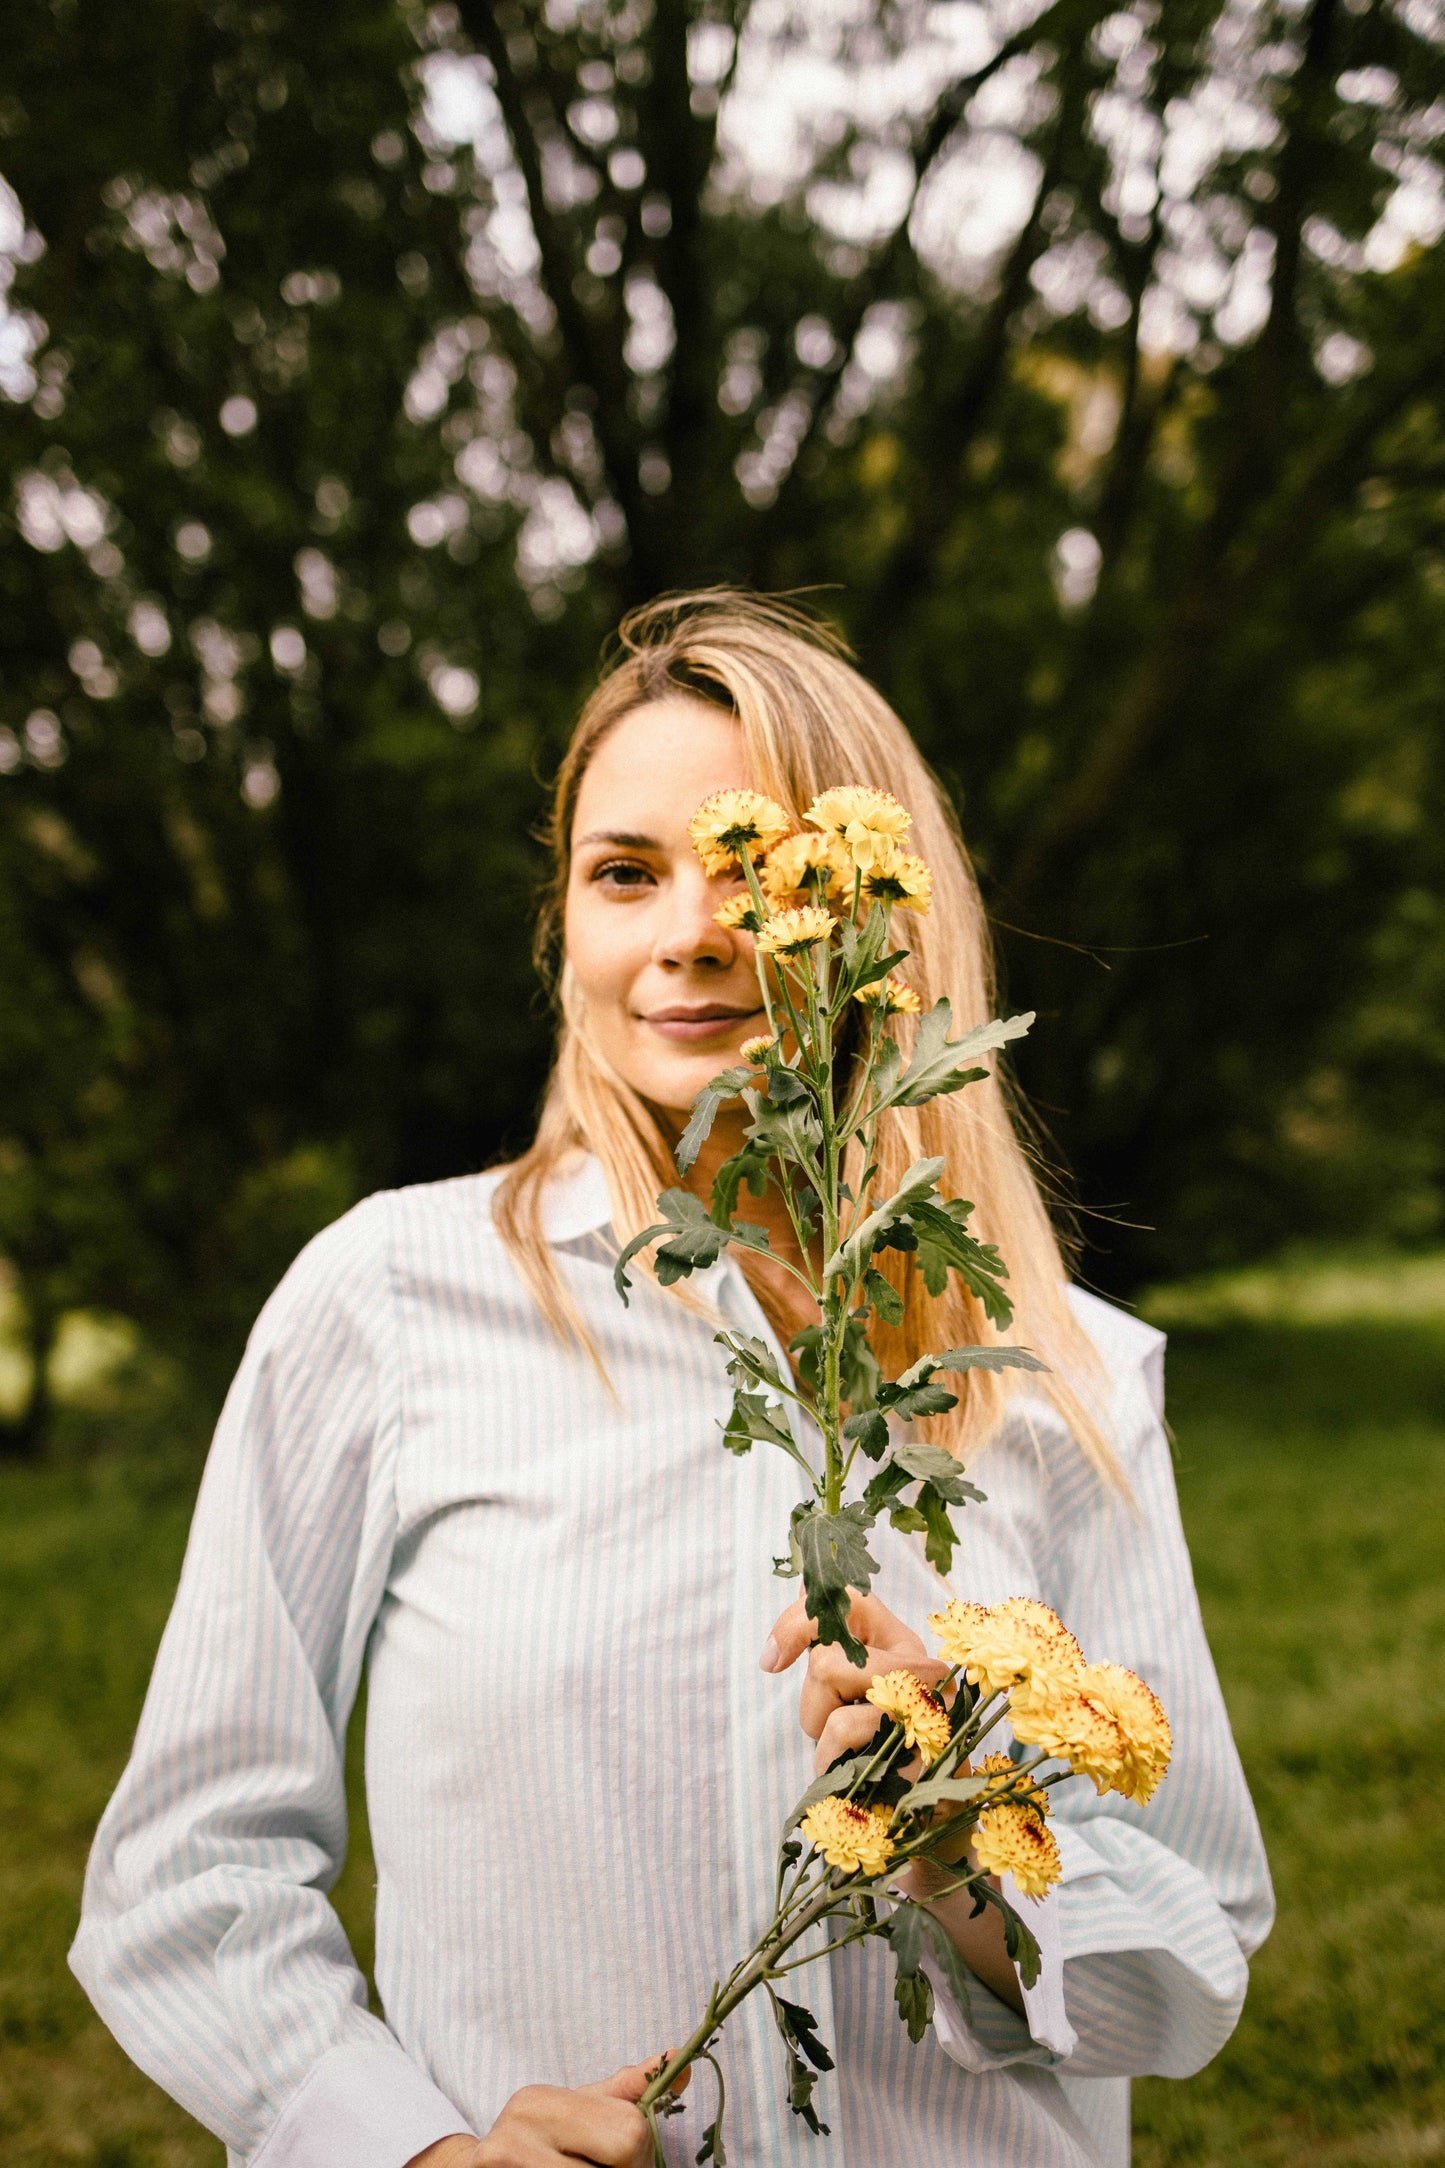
x=832, y=1709
x=543, y=2125
x=833, y=1712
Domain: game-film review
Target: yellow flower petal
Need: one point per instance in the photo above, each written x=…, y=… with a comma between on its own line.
x=853, y=812
x=1012, y=1840
x=850, y=1836
x=921, y=1712
x=731, y=821
x=891, y=996
x=899, y=881
x=786, y=932
x=1019, y=1647
x=804, y=866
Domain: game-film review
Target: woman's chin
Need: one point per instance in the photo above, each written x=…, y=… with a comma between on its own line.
x=672, y=1086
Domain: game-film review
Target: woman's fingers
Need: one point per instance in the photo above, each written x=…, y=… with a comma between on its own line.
x=846, y=1730
x=549, y=2123
x=870, y=1619
x=833, y=1681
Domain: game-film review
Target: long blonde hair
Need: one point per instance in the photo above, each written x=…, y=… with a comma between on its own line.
x=809, y=720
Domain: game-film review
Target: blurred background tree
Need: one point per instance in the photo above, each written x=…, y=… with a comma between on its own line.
x=363, y=364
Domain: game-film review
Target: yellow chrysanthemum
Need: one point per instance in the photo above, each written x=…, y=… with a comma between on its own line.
x=804, y=865
x=786, y=932
x=1012, y=1840
x=1003, y=1776
x=869, y=822
x=917, y=1708
x=737, y=911
x=1019, y=1647
x=899, y=881
x=754, y=1049
x=1074, y=1729
x=850, y=1836
x=1127, y=1746
x=891, y=996
x=733, y=820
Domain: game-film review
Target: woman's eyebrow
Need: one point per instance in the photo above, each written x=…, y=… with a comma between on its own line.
x=619, y=839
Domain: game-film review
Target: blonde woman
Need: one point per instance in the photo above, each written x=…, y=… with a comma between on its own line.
x=453, y=1455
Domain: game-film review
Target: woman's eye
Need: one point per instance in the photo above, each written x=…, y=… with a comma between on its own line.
x=624, y=873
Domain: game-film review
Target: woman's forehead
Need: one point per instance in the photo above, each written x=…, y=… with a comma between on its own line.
x=655, y=767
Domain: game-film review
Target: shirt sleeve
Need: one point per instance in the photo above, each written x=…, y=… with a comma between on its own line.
x=1160, y=1905
x=207, y=1941
x=1144, y=1944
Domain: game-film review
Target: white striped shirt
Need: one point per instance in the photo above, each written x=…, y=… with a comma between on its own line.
x=576, y=1770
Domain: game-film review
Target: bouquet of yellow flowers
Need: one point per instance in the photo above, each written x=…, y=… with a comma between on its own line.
x=819, y=904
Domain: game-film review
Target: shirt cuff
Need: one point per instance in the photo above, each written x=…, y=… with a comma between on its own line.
x=989, y=2034
x=365, y=2105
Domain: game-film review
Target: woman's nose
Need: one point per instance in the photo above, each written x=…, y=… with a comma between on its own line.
x=689, y=933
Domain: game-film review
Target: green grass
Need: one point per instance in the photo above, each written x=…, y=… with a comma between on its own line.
x=1310, y=1464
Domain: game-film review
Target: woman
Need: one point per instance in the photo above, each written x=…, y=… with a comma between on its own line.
x=452, y=1452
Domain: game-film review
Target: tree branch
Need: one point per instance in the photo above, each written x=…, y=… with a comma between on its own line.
x=587, y=360
x=1202, y=613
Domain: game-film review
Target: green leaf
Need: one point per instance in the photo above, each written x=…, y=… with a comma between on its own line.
x=712, y=2148
x=911, y=1989
x=750, y=1360
x=859, y=1377
x=919, y=1183
x=908, y=1401
x=871, y=1431
x=884, y=1297
x=836, y=1561
x=1019, y=1941
x=844, y=1773
x=746, y=1165
x=786, y=1088
x=982, y=1358
x=941, y=1538
x=943, y=1791
x=914, y=1996
x=792, y=1133
x=949, y=1963
x=913, y=1932
x=694, y=1241
x=943, y=1065
x=756, y=1421
x=799, y=2027
x=729, y=1084
x=801, y=2081
x=887, y=1485
x=945, y=1244
x=932, y=1465
x=638, y=1242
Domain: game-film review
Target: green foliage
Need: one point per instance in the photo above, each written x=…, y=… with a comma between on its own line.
x=264, y=866
x=835, y=1560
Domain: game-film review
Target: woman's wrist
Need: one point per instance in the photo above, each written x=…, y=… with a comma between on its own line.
x=977, y=1937
x=457, y=2152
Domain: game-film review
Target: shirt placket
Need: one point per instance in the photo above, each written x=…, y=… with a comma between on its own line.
x=769, y=1768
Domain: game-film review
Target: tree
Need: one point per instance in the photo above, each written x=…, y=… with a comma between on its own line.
x=371, y=363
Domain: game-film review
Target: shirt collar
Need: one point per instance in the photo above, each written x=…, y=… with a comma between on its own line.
x=577, y=1201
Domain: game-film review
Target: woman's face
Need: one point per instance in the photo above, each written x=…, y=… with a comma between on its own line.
x=670, y=994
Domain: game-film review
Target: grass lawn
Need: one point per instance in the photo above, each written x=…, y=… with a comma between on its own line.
x=1311, y=1459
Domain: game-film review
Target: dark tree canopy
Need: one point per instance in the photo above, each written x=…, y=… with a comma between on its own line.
x=364, y=363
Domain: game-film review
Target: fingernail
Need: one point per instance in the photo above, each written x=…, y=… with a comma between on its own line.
x=772, y=1654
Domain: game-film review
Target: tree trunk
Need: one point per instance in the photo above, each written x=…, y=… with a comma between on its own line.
x=24, y=1437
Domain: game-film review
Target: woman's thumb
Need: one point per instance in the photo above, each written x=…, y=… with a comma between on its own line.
x=631, y=2082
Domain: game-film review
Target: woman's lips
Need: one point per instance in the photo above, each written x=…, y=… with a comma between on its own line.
x=705, y=1022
